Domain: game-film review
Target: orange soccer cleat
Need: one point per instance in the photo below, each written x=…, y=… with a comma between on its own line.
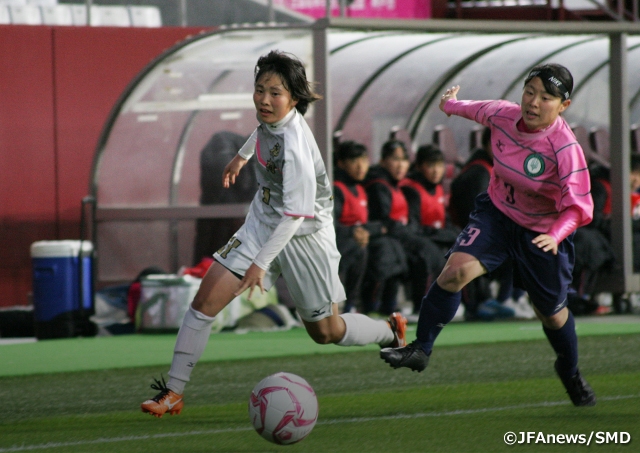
x=398, y=325
x=165, y=401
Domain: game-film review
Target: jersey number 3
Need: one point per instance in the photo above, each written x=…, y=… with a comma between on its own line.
x=472, y=235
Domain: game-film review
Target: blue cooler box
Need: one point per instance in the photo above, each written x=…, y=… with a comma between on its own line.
x=57, y=291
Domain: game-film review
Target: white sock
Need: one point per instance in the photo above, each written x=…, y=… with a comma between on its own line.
x=192, y=339
x=362, y=330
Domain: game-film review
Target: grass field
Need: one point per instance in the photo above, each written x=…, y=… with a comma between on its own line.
x=468, y=398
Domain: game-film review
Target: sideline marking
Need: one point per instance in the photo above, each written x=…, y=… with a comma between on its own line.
x=109, y=440
x=10, y=341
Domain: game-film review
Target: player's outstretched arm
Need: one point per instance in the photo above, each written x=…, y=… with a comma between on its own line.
x=449, y=94
x=232, y=170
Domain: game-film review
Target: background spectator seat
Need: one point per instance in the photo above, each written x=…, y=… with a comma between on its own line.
x=113, y=16
x=79, y=14
x=25, y=14
x=443, y=137
x=57, y=14
x=145, y=16
x=475, y=138
x=5, y=17
x=39, y=2
x=582, y=135
x=599, y=139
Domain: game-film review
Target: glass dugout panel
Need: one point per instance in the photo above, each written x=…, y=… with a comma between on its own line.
x=152, y=160
x=479, y=80
x=398, y=92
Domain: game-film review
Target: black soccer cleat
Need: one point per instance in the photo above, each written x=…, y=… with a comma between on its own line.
x=579, y=391
x=411, y=356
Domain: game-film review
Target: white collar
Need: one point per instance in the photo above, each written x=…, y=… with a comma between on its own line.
x=278, y=126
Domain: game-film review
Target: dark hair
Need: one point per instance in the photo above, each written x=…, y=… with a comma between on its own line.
x=294, y=77
x=350, y=150
x=557, y=79
x=635, y=162
x=429, y=154
x=390, y=146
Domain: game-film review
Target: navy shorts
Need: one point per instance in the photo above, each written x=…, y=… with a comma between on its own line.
x=493, y=238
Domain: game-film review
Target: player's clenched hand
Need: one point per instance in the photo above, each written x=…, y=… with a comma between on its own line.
x=449, y=94
x=361, y=236
x=232, y=170
x=546, y=243
x=252, y=278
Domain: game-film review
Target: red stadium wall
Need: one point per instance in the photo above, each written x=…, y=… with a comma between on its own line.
x=57, y=87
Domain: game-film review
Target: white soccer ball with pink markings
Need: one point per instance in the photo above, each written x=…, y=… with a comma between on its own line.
x=283, y=408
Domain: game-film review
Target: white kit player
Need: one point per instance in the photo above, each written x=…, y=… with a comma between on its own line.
x=288, y=231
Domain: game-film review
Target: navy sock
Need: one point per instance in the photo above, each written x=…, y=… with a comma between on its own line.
x=438, y=307
x=564, y=342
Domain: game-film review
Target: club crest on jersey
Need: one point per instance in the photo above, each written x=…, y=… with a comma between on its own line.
x=534, y=165
x=271, y=166
x=275, y=150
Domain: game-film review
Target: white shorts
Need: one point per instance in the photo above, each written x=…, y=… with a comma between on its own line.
x=308, y=264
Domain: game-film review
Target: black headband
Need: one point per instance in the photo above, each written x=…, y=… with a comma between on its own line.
x=547, y=75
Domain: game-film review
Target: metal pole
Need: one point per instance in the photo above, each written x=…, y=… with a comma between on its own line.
x=620, y=10
x=327, y=9
x=620, y=156
x=271, y=17
x=561, y=11
x=88, y=3
x=183, y=12
x=322, y=108
x=343, y=7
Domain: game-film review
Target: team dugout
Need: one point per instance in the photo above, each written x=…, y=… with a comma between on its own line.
x=148, y=178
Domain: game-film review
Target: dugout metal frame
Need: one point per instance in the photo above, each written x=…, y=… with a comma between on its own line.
x=622, y=280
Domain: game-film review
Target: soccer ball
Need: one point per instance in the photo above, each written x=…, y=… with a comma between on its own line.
x=283, y=408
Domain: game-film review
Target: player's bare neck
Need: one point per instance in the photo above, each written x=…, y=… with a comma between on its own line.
x=522, y=127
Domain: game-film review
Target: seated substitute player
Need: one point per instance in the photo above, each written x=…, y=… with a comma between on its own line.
x=426, y=196
x=360, y=240
x=472, y=180
x=538, y=196
x=594, y=254
x=634, y=179
x=388, y=204
x=288, y=230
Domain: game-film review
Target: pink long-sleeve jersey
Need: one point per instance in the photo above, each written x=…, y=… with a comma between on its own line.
x=536, y=176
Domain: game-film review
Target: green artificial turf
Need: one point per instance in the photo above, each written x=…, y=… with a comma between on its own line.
x=466, y=400
x=81, y=354
x=470, y=417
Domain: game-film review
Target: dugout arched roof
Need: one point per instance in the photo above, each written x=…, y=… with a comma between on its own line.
x=374, y=75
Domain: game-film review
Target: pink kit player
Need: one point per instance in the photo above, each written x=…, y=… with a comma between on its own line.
x=538, y=195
